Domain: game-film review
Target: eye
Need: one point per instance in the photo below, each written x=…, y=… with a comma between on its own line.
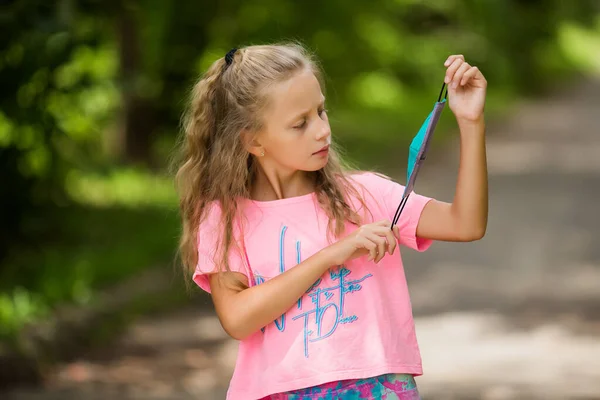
x=322, y=111
x=301, y=125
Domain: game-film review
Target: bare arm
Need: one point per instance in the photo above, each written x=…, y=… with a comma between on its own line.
x=465, y=219
x=243, y=312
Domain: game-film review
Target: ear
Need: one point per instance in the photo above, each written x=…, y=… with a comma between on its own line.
x=251, y=142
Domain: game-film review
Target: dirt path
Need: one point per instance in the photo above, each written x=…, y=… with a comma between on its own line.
x=514, y=316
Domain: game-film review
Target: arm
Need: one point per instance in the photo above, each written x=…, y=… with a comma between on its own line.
x=245, y=311
x=465, y=219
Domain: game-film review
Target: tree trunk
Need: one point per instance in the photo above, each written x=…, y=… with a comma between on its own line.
x=138, y=122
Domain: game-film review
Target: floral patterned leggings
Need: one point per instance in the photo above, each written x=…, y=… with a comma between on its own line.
x=383, y=387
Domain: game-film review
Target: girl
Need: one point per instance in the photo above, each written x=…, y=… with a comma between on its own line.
x=296, y=251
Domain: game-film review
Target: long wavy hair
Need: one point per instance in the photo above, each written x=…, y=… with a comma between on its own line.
x=214, y=166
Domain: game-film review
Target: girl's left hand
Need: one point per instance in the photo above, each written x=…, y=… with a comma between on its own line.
x=466, y=89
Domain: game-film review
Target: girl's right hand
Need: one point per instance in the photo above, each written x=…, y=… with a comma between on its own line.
x=373, y=239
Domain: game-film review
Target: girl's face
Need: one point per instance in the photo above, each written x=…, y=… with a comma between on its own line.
x=296, y=133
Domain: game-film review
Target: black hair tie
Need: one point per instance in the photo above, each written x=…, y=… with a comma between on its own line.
x=229, y=56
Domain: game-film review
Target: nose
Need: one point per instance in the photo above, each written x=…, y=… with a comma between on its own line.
x=324, y=131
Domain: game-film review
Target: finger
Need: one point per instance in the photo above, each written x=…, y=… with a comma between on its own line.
x=397, y=232
x=380, y=244
x=360, y=252
x=370, y=246
x=453, y=57
x=384, y=222
x=381, y=248
x=364, y=245
x=452, y=69
x=457, y=78
x=390, y=238
x=392, y=243
x=471, y=73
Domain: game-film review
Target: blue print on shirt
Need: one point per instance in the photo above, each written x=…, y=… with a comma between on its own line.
x=280, y=322
x=329, y=298
x=328, y=303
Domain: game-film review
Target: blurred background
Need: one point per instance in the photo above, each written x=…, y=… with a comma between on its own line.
x=91, y=301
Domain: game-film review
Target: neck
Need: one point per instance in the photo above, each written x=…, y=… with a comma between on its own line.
x=277, y=185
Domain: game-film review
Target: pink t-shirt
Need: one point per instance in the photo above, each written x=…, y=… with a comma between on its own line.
x=354, y=322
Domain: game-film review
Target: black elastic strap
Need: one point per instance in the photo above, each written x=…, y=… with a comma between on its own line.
x=442, y=92
x=399, y=210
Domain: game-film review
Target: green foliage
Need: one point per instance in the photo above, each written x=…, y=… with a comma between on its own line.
x=17, y=308
x=122, y=187
x=80, y=250
x=58, y=98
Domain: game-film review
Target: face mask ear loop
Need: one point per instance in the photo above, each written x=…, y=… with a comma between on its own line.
x=442, y=93
x=399, y=211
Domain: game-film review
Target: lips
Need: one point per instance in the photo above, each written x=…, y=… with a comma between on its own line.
x=324, y=148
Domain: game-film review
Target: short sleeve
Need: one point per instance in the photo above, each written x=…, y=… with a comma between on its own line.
x=391, y=194
x=209, y=234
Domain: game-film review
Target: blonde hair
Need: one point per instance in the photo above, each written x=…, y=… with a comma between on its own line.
x=214, y=164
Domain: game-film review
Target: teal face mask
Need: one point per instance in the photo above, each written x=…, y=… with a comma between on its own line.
x=418, y=149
